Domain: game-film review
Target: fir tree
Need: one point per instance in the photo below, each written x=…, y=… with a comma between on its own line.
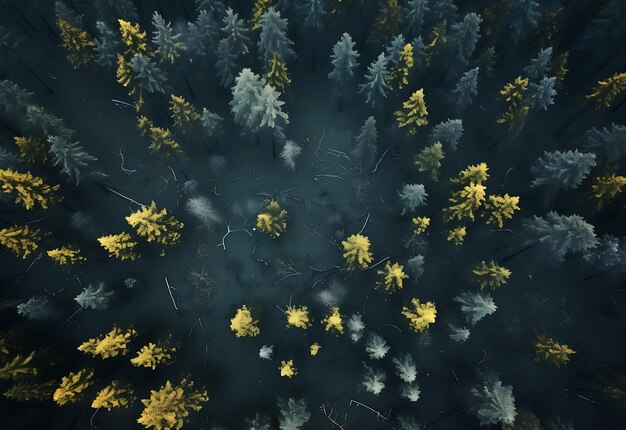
x=609, y=144
x=443, y=10
x=107, y=45
x=475, y=306
x=314, y=12
x=413, y=195
x=493, y=403
x=415, y=14
x=606, y=29
x=227, y=62
x=464, y=36
x=273, y=37
x=562, y=170
x=525, y=15
x=236, y=31
x=247, y=99
x=37, y=308
x=540, y=65
x=202, y=35
x=375, y=85
x=447, y=132
x=75, y=162
x=365, y=149
x=414, y=112
x=150, y=77
x=344, y=60
x=95, y=296
x=541, y=95
x=387, y=22
x=211, y=122
x=170, y=46
x=293, y=414
x=467, y=88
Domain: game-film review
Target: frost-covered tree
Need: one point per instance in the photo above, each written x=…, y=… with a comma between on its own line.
x=246, y=99
x=227, y=63
x=169, y=44
x=561, y=234
x=608, y=143
x=562, y=170
x=293, y=414
x=411, y=392
x=415, y=14
x=493, y=403
x=416, y=266
x=458, y=334
x=202, y=34
x=447, y=132
x=75, y=162
x=373, y=380
x=95, y=297
x=467, y=88
x=356, y=327
x=259, y=422
x=37, y=308
x=375, y=85
x=313, y=12
x=202, y=209
x=420, y=54
x=211, y=122
x=610, y=253
x=405, y=368
x=344, y=60
x=291, y=150
x=270, y=112
x=365, y=149
x=150, y=77
x=464, y=36
x=475, y=305
x=376, y=347
x=412, y=196
x=215, y=7
x=540, y=65
x=394, y=49
x=443, y=9
x=524, y=18
x=107, y=44
x=541, y=95
x=236, y=31
x=273, y=37
x=266, y=352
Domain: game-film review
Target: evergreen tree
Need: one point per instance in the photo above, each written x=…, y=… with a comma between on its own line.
x=150, y=78
x=169, y=43
x=273, y=37
x=561, y=234
x=606, y=30
x=313, y=11
x=107, y=45
x=493, y=403
x=467, y=88
x=608, y=143
x=211, y=122
x=227, y=62
x=394, y=49
x=540, y=65
x=365, y=149
x=414, y=112
x=215, y=8
x=246, y=99
x=415, y=14
x=562, y=170
x=375, y=85
x=525, y=15
x=610, y=253
x=464, y=36
x=293, y=414
x=37, y=308
x=475, y=306
x=541, y=95
x=344, y=60
x=447, y=132
x=72, y=157
x=443, y=10
x=202, y=35
x=387, y=22
x=236, y=31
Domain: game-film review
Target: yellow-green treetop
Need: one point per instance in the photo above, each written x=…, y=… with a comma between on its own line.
x=77, y=43
x=72, y=387
x=287, y=369
x=490, y=275
x=32, y=149
x=18, y=367
x=429, y=160
x=457, y=235
x=391, y=277
x=465, y=202
x=333, y=320
x=28, y=189
x=356, y=252
x=605, y=92
x=276, y=74
x=514, y=94
x=399, y=73
x=420, y=315
x=109, y=345
x=548, y=349
x=152, y=355
x=413, y=113
x=314, y=349
x=162, y=143
x=183, y=113
x=500, y=208
x=136, y=41
x=273, y=221
x=420, y=224
x=22, y=240
x=243, y=324
x=387, y=22
x=155, y=226
x=260, y=8
x=298, y=316
x=607, y=187
x=65, y=255
x=125, y=75
x=114, y=396
x=514, y=116
x=169, y=406
x=476, y=173
x=120, y=246
x=27, y=390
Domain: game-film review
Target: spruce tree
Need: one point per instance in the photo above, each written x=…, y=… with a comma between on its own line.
x=415, y=14
x=464, y=36
x=562, y=170
x=375, y=85
x=273, y=37
x=467, y=88
x=364, y=152
x=169, y=44
x=344, y=60
x=541, y=95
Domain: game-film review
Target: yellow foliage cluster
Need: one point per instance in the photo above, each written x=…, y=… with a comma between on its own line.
x=490, y=275
x=287, y=369
x=438, y=37
x=155, y=225
x=161, y=140
x=243, y=324
x=420, y=315
x=120, y=246
x=605, y=92
x=72, y=387
x=32, y=149
x=273, y=221
x=18, y=367
x=476, y=173
x=514, y=94
x=399, y=73
x=276, y=74
x=457, y=235
x=134, y=39
x=167, y=407
x=420, y=223
x=607, y=187
x=151, y=355
x=77, y=43
x=559, y=65
x=298, y=317
x=111, y=344
x=113, y=396
x=260, y=8
x=65, y=255
x=22, y=240
x=334, y=320
x=548, y=349
x=314, y=349
x=125, y=75
x=392, y=277
x=356, y=251
x=413, y=113
x=501, y=208
x=183, y=113
x=466, y=201
x=28, y=189
x=429, y=159
x=387, y=22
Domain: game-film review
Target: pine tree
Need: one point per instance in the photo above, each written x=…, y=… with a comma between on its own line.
x=147, y=74
x=333, y=320
x=562, y=170
x=457, y=235
x=153, y=355
x=605, y=92
x=540, y=65
x=18, y=367
x=414, y=113
x=107, y=44
x=287, y=369
x=273, y=37
x=344, y=60
x=399, y=72
x=22, y=240
x=65, y=255
x=365, y=148
x=541, y=95
x=261, y=7
x=236, y=31
x=227, y=62
x=429, y=160
x=298, y=316
x=514, y=93
x=170, y=46
x=73, y=158
x=464, y=36
x=155, y=226
x=607, y=187
x=32, y=149
x=169, y=406
x=467, y=88
x=375, y=85
x=136, y=41
x=477, y=174
x=466, y=202
x=391, y=277
x=448, y=133
x=415, y=14
x=525, y=15
x=28, y=189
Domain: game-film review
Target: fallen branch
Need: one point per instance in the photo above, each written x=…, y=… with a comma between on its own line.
x=169, y=290
x=381, y=261
x=328, y=415
x=365, y=224
x=229, y=231
x=381, y=159
x=374, y=411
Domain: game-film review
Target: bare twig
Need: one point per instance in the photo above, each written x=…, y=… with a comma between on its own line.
x=123, y=196
x=365, y=223
x=381, y=261
x=381, y=159
x=124, y=169
x=374, y=411
x=328, y=415
x=169, y=290
x=229, y=231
